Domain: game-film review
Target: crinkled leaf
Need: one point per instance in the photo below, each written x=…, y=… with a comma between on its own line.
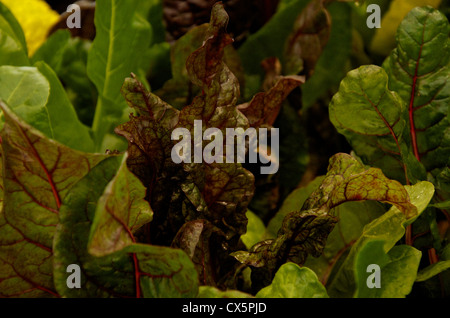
x=348, y=180
x=180, y=193
x=12, y=40
x=160, y=271
x=293, y=281
x=294, y=200
x=331, y=65
x=418, y=71
x=38, y=175
x=256, y=49
x=36, y=95
x=119, y=27
x=388, y=228
x=201, y=240
x=149, y=156
x=304, y=232
x=301, y=234
x=263, y=109
x=215, y=192
x=310, y=34
x=398, y=269
x=120, y=212
x=179, y=91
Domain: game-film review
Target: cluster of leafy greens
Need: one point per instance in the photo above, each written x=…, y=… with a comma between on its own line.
x=87, y=176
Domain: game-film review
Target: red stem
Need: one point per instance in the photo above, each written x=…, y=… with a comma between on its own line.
x=137, y=276
x=411, y=104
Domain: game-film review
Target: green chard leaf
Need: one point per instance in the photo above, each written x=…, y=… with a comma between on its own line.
x=418, y=70
x=38, y=174
x=119, y=27
x=398, y=269
x=304, y=232
x=372, y=118
x=353, y=216
x=255, y=230
x=68, y=56
x=12, y=40
x=293, y=281
x=213, y=292
x=121, y=211
x=36, y=95
x=395, y=117
x=385, y=231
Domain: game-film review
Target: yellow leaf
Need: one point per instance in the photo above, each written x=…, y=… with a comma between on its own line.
x=35, y=17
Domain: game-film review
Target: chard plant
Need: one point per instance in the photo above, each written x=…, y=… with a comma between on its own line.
x=89, y=184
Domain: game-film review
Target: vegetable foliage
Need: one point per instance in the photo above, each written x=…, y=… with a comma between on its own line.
x=87, y=176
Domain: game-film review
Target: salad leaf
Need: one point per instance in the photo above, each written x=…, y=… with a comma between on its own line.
x=394, y=130
x=133, y=270
x=384, y=40
x=36, y=95
x=216, y=194
x=213, y=292
x=293, y=281
x=255, y=230
x=263, y=109
x=12, y=40
x=255, y=49
x=305, y=231
x=68, y=56
x=418, y=70
x=118, y=27
x=179, y=91
x=353, y=216
x=432, y=270
x=331, y=65
x=389, y=229
x=375, y=123
x=120, y=212
x=398, y=267
x=37, y=176
x=348, y=180
x=310, y=34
